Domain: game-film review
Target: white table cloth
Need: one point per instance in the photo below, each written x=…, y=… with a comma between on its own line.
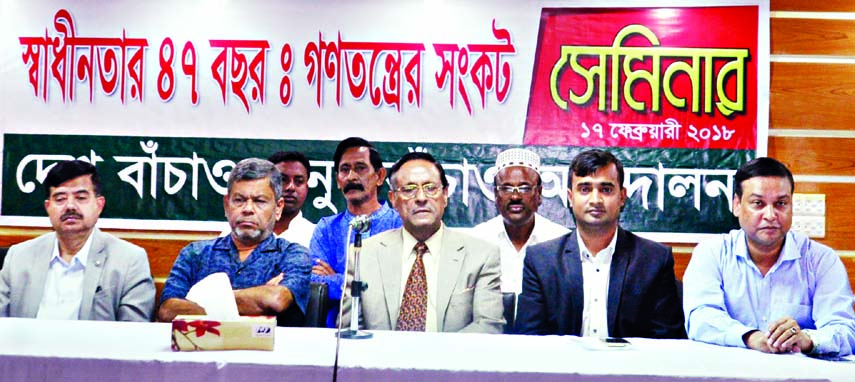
x=450, y=357
x=43, y=350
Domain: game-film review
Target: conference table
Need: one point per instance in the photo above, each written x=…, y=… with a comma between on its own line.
x=41, y=350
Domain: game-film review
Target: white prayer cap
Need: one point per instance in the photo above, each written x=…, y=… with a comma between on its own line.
x=518, y=157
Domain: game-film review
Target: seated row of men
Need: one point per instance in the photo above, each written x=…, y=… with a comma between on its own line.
x=762, y=286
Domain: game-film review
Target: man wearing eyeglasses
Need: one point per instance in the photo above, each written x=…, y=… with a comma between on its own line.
x=599, y=280
x=517, y=188
x=426, y=277
x=359, y=175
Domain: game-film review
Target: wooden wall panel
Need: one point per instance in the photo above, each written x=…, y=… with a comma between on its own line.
x=811, y=96
x=161, y=253
x=812, y=36
x=815, y=156
x=681, y=260
x=14, y=235
x=813, y=6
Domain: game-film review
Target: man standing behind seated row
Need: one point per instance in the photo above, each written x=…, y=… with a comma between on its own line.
x=763, y=286
x=270, y=276
x=600, y=280
x=517, y=188
x=77, y=271
x=425, y=277
x=359, y=174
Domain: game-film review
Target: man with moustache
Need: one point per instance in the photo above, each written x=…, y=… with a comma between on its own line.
x=517, y=188
x=425, y=277
x=76, y=272
x=763, y=286
x=269, y=275
x=599, y=280
x=291, y=226
x=359, y=174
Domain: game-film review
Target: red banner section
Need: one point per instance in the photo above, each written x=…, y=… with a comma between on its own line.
x=646, y=77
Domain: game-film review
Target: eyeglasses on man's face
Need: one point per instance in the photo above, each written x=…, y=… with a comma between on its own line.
x=508, y=190
x=410, y=191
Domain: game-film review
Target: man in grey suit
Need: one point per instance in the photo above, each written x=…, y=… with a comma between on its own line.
x=425, y=277
x=77, y=271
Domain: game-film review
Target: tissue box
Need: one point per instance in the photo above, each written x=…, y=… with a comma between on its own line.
x=190, y=333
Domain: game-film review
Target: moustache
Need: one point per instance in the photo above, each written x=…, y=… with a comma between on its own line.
x=67, y=215
x=353, y=186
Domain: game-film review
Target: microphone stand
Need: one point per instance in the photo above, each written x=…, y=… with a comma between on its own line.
x=356, y=289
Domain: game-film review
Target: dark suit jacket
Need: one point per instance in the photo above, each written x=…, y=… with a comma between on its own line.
x=642, y=293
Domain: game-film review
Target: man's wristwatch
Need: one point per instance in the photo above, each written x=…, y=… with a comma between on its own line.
x=812, y=336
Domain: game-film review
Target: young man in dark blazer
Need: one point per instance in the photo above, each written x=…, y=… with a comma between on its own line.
x=599, y=280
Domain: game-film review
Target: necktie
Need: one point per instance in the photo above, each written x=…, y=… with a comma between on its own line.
x=414, y=304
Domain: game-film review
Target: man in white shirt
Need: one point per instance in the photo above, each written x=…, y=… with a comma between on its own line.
x=517, y=188
x=77, y=271
x=425, y=277
x=291, y=226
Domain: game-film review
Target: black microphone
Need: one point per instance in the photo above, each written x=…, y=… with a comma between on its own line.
x=361, y=223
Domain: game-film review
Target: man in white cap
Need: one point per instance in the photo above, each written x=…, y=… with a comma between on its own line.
x=517, y=187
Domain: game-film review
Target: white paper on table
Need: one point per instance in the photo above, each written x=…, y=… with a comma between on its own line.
x=214, y=293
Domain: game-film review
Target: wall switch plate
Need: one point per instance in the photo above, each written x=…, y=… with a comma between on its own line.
x=813, y=226
x=808, y=204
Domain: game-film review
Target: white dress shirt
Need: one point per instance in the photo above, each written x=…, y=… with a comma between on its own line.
x=64, y=285
x=595, y=281
x=493, y=231
x=299, y=231
x=431, y=261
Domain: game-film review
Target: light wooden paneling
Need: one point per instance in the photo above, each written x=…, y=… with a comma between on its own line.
x=813, y=6
x=849, y=263
x=13, y=235
x=161, y=253
x=681, y=260
x=811, y=96
x=815, y=156
x=813, y=37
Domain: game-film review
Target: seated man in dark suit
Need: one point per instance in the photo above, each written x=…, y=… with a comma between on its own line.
x=599, y=280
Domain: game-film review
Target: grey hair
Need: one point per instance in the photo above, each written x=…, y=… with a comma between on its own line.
x=255, y=168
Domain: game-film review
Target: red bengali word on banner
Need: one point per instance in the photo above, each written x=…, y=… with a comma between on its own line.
x=646, y=77
x=110, y=63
